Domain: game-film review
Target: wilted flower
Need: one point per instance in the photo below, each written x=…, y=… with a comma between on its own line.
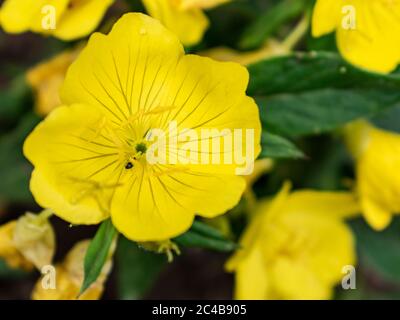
x=69, y=277
x=64, y=19
x=367, y=32
x=8, y=251
x=295, y=247
x=91, y=159
x=183, y=17
x=28, y=241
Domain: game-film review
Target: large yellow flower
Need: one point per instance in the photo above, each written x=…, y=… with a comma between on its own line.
x=183, y=17
x=296, y=246
x=90, y=157
x=367, y=31
x=377, y=155
x=64, y=19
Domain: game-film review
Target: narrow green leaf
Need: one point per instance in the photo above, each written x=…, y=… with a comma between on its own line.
x=97, y=253
x=137, y=269
x=206, y=230
x=277, y=147
x=194, y=239
x=268, y=22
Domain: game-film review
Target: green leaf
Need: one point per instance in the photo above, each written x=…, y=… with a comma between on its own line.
x=277, y=147
x=206, y=230
x=15, y=99
x=379, y=251
x=97, y=253
x=268, y=22
x=15, y=170
x=303, y=94
x=202, y=236
x=138, y=269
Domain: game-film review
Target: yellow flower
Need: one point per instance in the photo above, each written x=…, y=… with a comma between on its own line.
x=28, y=241
x=377, y=156
x=69, y=278
x=295, y=247
x=183, y=17
x=46, y=80
x=90, y=157
x=270, y=49
x=367, y=32
x=64, y=19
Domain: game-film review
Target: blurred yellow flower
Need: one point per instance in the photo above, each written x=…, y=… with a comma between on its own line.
x=367, y=32
x=270, y=49
x=377, y=156
x=183, y=17
x=295, y=247
x=8, y=251
x=69, y=278
x=28, y=241
x=46, y=80
x=90, y=157
x=64, y=19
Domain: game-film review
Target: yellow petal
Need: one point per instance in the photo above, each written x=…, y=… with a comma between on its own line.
x=374, y=43
x=266, y=210
x=313, y=243
x=326, y=16
x=251, y=280
x=188, y=24
x=202, y=4
x=357, y=137
x=294, y=281
x=34, y=238
x=18, y=16
x=331, y=204
x=124, y=71
x=377, y=216
x=75, y=167
x=378, y=184
x=81, y=18
x=159, y=207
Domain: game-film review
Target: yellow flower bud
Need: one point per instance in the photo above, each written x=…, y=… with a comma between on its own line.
x=69, y=277
x=34, y=238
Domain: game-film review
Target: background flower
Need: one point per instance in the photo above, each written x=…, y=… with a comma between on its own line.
x=367, y=32
x=288, y=252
